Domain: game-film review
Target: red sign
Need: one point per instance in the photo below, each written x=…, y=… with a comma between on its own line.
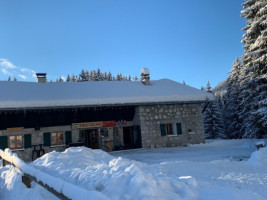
x=109, y=123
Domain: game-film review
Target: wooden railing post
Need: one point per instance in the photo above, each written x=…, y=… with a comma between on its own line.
x=3, y=162
x=27, y=181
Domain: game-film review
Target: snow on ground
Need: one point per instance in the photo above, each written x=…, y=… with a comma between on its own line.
x=219, y=169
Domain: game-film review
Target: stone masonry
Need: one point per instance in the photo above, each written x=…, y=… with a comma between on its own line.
x=150, y=118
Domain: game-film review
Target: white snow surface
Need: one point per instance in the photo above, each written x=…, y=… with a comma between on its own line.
x=219, y=169
x=29, y=94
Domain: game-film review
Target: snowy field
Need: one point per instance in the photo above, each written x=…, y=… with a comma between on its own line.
x=219, y=169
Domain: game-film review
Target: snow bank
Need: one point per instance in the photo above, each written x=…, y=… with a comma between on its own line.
x=259, y=158
x=116, y=178
x=12, y=188
x=68, y=189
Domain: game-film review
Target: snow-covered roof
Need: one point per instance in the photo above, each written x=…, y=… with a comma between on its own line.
x=99, y=93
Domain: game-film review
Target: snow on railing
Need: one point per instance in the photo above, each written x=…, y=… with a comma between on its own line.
x=57, y=186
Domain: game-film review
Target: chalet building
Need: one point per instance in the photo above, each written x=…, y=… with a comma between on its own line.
x=36, y=118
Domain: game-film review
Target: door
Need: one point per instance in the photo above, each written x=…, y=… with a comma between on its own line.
x=93, y=139
x=90, y=138
x=128, y=137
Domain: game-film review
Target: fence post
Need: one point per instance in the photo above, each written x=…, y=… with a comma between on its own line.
x=27, y=181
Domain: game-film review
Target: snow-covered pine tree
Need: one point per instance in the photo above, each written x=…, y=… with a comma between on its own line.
x=73, y=78
x=94, y=76
x=109, y=78
x=82, y=76
x=86, y=73
x=232, y=107
x=253, y=96
x=212, y=118
x=99, y=75
x=68, y=78
x=118, y=77
x=208, y=88
x=135, y=78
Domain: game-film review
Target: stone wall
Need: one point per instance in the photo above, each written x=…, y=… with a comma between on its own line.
x=150, y=118
x=37, y=138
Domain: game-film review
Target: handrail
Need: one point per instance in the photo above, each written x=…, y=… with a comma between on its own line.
x=61, y=189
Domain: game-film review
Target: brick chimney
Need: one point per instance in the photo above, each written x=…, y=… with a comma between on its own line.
x=41, y=77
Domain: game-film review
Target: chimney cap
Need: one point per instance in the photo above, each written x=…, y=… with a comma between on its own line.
x=41, y=74
x=145, y=71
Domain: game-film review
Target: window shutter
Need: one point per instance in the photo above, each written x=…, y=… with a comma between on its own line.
x=3, y=142
x=163, y=129
x=68, y=138
x=47, y=141
x=27, y=141
x=179, y=128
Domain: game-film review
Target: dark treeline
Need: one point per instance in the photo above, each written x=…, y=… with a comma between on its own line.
x=240, y=109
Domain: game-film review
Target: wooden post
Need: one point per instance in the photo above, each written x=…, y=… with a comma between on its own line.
x=3, y=162
x=27, y=181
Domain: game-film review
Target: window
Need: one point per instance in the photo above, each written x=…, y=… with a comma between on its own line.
x=57, y=138
x=171, y=129
x=15, y=142
x=166, y=129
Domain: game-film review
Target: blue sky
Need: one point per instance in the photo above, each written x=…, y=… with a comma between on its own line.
x=194, y=40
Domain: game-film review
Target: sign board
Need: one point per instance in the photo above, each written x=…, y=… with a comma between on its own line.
x=85, y=125
x=15, y=129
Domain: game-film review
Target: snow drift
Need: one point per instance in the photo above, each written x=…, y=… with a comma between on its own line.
x=116, y=178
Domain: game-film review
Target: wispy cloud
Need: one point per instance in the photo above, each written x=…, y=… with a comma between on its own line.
x=4, y=63
x=22, y=76
x=7, y=68
x=4, y=71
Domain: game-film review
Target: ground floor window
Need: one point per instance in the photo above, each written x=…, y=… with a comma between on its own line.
x=171, y=129
x=57, y=138
x=15, y=141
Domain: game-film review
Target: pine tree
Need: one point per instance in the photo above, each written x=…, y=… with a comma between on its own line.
x=232, y=107
x=253, y=96
x=86, y=74
x=60, y=79
x=68, y=78
x=109, y=78
x=82, y=76
x=119, y=77
x=212, y=118
x=99, y=76
x=135, y=78
x=208, y=88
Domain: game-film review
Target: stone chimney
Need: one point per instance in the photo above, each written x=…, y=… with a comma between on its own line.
x=145, y=76
x=41, y=77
